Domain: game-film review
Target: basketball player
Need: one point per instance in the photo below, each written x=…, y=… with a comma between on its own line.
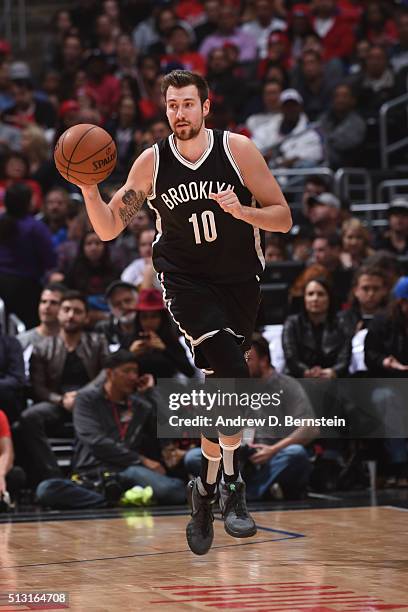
x=203, y=186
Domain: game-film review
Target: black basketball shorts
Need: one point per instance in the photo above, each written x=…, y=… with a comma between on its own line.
x=202, y=309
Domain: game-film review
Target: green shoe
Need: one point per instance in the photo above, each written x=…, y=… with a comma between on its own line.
x=137, y=496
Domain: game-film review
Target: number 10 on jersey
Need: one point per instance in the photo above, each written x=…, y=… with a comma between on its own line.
x=209, y=229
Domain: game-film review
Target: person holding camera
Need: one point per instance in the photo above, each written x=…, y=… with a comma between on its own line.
x=157, y=347
x=117, y=447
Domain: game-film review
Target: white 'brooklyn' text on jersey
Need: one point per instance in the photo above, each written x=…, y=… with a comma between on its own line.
x=195, y=237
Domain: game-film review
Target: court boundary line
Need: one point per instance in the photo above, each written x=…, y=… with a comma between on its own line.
x=148, y=554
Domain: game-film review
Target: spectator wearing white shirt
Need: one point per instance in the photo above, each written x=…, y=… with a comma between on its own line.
x=134, y=273
x=261, y=124
x=264, y=23
x=300, y=144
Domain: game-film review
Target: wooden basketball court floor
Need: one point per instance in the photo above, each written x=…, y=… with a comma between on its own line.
x=311, y=560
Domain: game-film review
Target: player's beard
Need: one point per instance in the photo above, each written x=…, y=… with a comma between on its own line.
x=188, y=131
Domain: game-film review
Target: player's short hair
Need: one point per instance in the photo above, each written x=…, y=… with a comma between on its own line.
x=183, y=78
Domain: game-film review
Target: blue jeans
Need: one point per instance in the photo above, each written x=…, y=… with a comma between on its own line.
x=290, y=467
x=64, y=493
x=192, y=461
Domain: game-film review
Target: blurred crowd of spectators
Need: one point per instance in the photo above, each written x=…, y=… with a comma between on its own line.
x=305, y=81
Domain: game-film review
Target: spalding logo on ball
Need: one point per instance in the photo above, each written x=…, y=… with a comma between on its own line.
x=85, y=154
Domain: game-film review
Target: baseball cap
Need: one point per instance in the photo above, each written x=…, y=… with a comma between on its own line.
x=400, y=290
x=118, y=284
x=149, y=300
x=398, y=205
x=290, y=95
x=19, y=71
x=326, y=198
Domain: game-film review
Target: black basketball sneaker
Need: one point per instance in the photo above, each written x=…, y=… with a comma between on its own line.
x=200, y=530
x=237, y=520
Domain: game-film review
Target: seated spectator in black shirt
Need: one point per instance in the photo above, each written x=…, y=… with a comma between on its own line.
x=158, y=349
x=343, y=129
x=315, y=87
x=372, y=87
x=60, y=366
x=395, y=238
x=12, y=377
x=116, y=427
x=314, y=344
x=120, y=329
x=370, y=291
x=386, y=343
x=386, y=356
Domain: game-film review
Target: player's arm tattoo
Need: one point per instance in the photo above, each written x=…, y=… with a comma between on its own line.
x=133, y=201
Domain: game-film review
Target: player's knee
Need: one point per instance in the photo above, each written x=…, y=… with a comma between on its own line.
x=225, y=356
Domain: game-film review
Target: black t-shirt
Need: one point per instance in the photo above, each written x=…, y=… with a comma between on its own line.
x=74, y=375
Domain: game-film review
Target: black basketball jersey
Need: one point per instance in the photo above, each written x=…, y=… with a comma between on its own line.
x=195, y=237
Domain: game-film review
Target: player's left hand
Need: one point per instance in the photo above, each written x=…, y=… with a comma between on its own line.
x=229, y=203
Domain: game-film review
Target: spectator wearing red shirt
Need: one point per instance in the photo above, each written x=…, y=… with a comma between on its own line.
x=16, y=169
x=180, y=52
x=104, y=87
x=11, y=478
x=334, y=30
x=377, y=27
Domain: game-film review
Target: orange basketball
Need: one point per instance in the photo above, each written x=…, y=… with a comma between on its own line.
x=85, y=154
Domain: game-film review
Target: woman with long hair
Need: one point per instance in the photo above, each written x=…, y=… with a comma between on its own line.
x=91, y=272
x=314, y=344
x=158, y=348
x=26, y=254
x=356, y=243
